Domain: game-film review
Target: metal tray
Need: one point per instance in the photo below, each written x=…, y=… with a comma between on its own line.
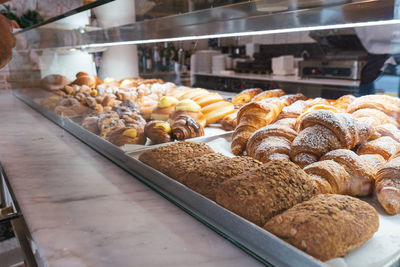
x=259, y=243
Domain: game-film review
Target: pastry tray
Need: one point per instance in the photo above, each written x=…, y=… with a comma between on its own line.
x=382, y=250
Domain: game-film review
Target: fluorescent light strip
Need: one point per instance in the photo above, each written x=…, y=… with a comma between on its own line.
x=237, y=34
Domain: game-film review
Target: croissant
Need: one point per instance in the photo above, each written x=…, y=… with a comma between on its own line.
x=387, y=129
x=158, y=132
x=185, y=127
x=376, y=116
x=270, y=142
x=252, y=117
x=268, y=94
x=287, y=122
x=388, y=185
x=322, y=131
x=245, y=96
x=229, y=122
x=343, y=172
x=294, y=110
x=384, y=146
x=388, y=104
x=374, y=161
x=311, y=109
x=343, y=102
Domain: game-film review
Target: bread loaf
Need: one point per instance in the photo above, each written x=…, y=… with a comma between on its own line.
x=259, y=194
x=326, y=226
x=162, y=158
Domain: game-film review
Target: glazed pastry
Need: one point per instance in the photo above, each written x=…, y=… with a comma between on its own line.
x=322, y=131
x=268, y=94
x=270, y=142
x=90, y=124
x=206, y=180
x=245, y=96
x=384, y=146
x=192, y=93
x=215, y=112
x=54, y=82
x=190, y=108
x=162, y=158
x=388, y=185
x=261, y=193
x=229, y=122
x=343, y=102
x=375, y=116
x=179, y=91
x=185, y=127
x=158, y=132
x=181, y=169
x=68, y=107
x=343, y=172
x=127, y=135
x=388, y=104
x=207, y=99
x=252, y=117
x=164, y=108
x=326, y=226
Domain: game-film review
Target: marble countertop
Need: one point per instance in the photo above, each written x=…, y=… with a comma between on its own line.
x=287, y=78
x=83, y=210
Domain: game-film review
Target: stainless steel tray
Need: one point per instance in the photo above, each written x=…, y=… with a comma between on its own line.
x=259, y=243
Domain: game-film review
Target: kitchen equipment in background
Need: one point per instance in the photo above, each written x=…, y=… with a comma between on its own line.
x=203, y=62
x=283, y=65
x=337, y=68
x=218, y=64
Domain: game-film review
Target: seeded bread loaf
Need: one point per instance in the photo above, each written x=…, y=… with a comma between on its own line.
x=161, y=158
x=259, y=194
x=206, y=179
x=326, y=226
x=181, y=169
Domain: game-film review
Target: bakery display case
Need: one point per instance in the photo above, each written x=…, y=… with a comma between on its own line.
x=145, y=85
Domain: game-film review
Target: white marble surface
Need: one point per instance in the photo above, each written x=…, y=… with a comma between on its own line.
x=82, y=210
x=287, y=78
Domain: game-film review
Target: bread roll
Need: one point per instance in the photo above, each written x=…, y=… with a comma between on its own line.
x=259, y=194
x=326, y=226
x=206, y=180
x=162, y=158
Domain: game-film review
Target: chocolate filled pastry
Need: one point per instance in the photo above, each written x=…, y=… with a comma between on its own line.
x=69, y=107
x=158, y=132
x=54, y=82
x=127, y=135
x=190, y=108
x=90, y=124
x=164, y=108
x=161, y=158
x=185, y=127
